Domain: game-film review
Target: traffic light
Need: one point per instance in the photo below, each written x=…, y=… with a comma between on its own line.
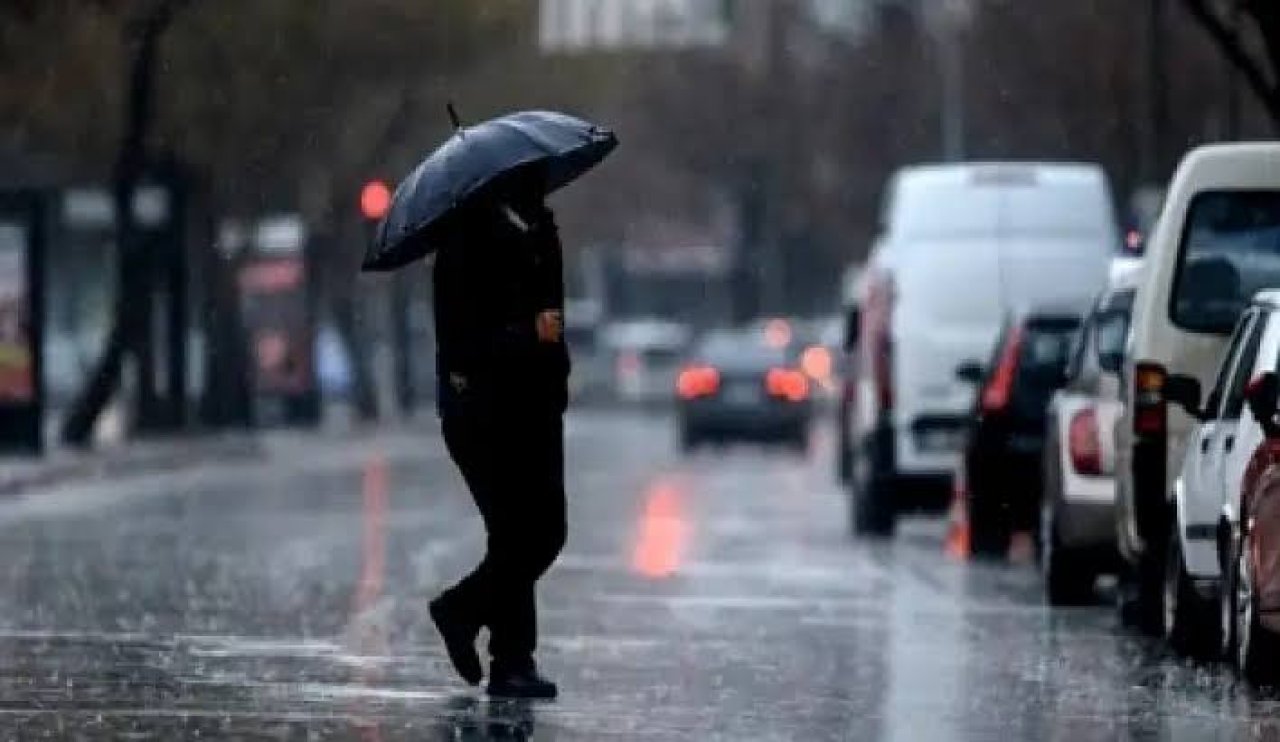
x=375, y=200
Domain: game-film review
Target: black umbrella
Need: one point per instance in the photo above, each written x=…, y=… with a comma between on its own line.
x=557, y=146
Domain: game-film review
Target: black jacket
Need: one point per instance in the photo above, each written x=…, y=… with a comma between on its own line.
x=490, y=282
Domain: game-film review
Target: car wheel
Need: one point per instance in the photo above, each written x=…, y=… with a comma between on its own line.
x=1227, y=600
x=1140, y=599
x=1068, y=576
x=1256, y=647
x=872, y=508
x=1189, y=622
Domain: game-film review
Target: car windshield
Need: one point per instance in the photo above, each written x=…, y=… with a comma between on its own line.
x=740, y=351
x=1230, y=250
x=1046, y=346
x=1113, y=324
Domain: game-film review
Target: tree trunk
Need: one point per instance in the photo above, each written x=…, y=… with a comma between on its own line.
x=142, y=38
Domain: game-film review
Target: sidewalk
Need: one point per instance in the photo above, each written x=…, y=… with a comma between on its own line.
x=144, y=456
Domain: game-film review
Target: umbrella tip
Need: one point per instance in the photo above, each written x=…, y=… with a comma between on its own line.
x=453, y=115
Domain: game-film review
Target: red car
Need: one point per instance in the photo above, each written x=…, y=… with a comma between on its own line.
x=1251, y=550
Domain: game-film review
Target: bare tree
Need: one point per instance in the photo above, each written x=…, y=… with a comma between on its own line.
x=143, y=34
x=1254, y=51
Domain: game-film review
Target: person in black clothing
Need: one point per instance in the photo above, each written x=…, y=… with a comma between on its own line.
x=503, y=367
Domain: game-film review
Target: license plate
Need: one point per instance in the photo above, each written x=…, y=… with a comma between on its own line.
x=742, y=394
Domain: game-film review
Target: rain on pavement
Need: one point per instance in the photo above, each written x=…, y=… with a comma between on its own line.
x=713, y=597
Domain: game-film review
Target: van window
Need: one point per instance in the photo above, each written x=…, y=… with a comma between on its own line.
x=1230, y=249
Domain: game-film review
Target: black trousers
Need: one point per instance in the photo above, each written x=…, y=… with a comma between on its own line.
x=513, y=464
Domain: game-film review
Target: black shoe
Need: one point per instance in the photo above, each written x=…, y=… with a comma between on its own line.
x=521, y=684
x=459, y=641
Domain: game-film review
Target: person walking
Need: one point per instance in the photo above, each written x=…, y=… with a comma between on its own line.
x=503, y=367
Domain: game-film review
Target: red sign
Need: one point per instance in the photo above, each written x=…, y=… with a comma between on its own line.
x=17, y=380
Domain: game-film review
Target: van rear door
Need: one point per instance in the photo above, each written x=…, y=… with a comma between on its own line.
x=947, y=310
x=1057, y=236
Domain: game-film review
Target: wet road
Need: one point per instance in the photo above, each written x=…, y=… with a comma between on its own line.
x=712, y=598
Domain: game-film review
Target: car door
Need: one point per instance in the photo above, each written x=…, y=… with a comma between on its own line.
x=1246, y=435
x=1215, y=441
x=1074, y=396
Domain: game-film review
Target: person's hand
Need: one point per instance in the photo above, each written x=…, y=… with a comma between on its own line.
x=550, y=325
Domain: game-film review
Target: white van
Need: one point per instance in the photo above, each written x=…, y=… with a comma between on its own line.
x=1216, y=243
x=961, y=246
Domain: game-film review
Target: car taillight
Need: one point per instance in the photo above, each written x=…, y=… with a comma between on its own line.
x=787, y=384
x=877, y=322
x=1083, y=445
x=817, y=363
x=1149, y=412
x=697, y=381
x=995, y=397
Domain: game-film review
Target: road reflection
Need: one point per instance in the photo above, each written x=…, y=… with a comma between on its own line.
x=368, y=632
x=664, y=530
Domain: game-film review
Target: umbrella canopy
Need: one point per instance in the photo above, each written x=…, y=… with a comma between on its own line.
x=559, y=147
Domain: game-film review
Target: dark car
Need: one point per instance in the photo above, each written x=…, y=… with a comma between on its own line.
x=1005, y=443
x=741, y=386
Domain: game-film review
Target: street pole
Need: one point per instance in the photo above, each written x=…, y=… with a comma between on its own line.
x=952, y=74
x=1233, y=82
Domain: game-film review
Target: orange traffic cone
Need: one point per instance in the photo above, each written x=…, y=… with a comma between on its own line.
x=957, y=543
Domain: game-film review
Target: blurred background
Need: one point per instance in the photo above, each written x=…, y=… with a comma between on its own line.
x=253, y=141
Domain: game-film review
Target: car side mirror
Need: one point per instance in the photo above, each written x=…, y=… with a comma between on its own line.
x=852, y=325
x=1184, y=391
x=1111, y=362
x=970, y=372
x=1262, y=395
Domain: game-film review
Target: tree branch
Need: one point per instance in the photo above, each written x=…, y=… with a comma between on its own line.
x=1229, y=43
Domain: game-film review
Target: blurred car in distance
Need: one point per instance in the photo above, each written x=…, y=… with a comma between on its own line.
x=964, y=245
x=1216, y=243
x=735, y=386
x=645, y=357
x=1004, y=446
x=1077, y=523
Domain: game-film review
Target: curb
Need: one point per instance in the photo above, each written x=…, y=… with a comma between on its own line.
x=129, y=460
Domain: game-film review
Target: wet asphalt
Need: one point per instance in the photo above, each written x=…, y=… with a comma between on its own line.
x=717, y=597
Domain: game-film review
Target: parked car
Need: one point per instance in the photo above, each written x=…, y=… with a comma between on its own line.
x=963, y=246
x=645, y=356
x=1215, y=244
x=1077, y=524
x=1206, y=489
x=1250, y=616
x=735, y=386
x=1004, y=447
